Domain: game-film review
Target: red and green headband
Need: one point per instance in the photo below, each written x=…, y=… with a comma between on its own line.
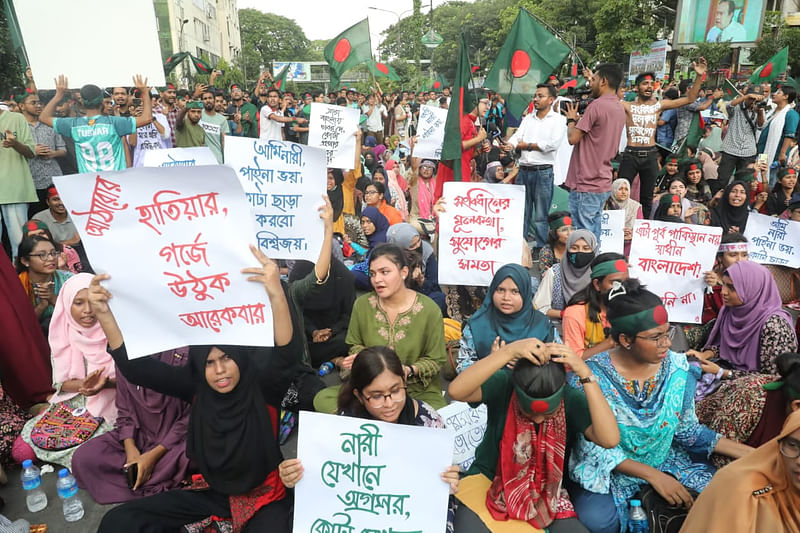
x=539, y=406
x=669, y=199
x=639, y=321
x=605, y=268
x=561, y=222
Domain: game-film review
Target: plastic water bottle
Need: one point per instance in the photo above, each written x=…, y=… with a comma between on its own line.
x=637, y=522
x=68, y=492
x=325, y=368
x=35, y=497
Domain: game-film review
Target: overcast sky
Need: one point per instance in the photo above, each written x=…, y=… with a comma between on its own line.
x=324, y=19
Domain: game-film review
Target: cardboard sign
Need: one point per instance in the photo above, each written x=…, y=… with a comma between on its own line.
x=469, y=425
x=174, y=242
x=333, y=128
x=430, y=132
x=773, y=241
x=612, y=232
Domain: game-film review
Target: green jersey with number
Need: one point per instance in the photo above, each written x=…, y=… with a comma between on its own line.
x=98, y=140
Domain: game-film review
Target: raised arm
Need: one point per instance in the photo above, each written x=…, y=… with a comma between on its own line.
x=46, y=116
x=700, y=68
x=146, y=117
x=268, y=274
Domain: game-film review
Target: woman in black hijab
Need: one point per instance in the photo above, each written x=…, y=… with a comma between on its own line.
x=235, y=392
x=732, y=209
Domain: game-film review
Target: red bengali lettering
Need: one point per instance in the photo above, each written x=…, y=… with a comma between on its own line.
x=105, y=200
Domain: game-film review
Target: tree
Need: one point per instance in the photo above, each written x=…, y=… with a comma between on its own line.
x=267, y=37
x=11, y=71
x=622, y=27
x=717, y=55
x=775, y=35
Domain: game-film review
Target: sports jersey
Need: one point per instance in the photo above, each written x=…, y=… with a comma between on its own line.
x=98, y=142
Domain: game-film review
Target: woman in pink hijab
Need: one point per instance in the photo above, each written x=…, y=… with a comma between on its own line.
x=83, y=372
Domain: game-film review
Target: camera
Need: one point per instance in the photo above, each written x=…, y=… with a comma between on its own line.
x=763, y=104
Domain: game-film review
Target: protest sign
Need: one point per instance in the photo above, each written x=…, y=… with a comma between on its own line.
x=480, y=231
x=179, y=157
x=469, y=425
x=333, y=128
x=671, y=260
x=430, y=132
x=174, y=242
x=123, y=41
x=773, y=241
x=612, y=231
x=362, y=476
x=284, y=183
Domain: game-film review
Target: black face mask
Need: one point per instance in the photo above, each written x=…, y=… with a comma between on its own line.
x=580, y=259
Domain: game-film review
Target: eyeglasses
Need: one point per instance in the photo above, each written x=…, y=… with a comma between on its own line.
x=378, y=400
x=661, y=340
x=790, y=448
x=45, y=255
x=367, y=193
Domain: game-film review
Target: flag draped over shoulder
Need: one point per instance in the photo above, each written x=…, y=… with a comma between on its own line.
x=772, y=68
x=528, y=56
x=350, y=48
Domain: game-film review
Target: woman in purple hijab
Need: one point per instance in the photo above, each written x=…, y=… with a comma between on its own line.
x=150, y=431
x=752, y=329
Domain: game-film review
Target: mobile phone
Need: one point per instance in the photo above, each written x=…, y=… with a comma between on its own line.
x=762, y=158
x=131, y=473
x=137, y=102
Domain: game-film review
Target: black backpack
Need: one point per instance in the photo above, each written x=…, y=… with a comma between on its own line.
x=662, y=517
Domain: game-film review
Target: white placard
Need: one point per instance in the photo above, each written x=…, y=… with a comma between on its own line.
x=670, y=259
x=480, y=231
x=430, y=132
x=469, y=425
x=363, y=476
x=773, y=241
x=612, y=231
x=179, y=157
x=333, y=128
x=91, y=41
x=174, y=242
x=284, y=183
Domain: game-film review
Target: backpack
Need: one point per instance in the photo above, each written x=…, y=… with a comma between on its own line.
x=661, y=516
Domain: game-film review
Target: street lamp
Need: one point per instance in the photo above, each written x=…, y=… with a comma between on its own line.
x=181, y=45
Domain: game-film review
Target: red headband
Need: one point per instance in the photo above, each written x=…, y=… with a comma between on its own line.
x=52, y=191
x=676, y=199
x=693, y=167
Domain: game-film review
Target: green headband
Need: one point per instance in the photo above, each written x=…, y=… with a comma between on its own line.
x=777, y=385
x=669, y=199
x=605, y=268
x=539, y=406
x=561, y=222
x=640, y=321
x=194, y=105
x=20, y=96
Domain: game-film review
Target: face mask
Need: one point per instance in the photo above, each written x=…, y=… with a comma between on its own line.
x=580, y=259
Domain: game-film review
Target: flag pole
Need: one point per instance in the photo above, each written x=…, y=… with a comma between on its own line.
x=560, y=37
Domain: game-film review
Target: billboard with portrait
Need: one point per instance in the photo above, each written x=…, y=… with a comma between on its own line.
x=736, y=21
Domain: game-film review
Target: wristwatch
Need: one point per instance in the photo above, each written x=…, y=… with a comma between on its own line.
x=410, y=371
x=589, y=379
x=571, y=120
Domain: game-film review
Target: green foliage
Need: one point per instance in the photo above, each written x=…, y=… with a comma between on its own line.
x=622, y=27
x=717, y=55
x=267, y=37
x=11, y=71
x=775, y=35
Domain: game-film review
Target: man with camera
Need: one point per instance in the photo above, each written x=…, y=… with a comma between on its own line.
x=745, y=116
x=641, y=116
x=538, y=137
x=595, y=137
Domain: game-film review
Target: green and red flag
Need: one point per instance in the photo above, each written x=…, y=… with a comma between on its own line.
x=279, y=81
x=173, y=61
x=201, y=65
x=382, y=70
x=462, y=101
x=696, y=129
x=729, y=90
x=772, y=68
x=350, y=48
x=529, y=55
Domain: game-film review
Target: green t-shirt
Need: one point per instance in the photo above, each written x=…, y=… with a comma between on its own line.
x=98, y=140
x=189, y=135
x=215, y=127
x=496, y=393
x=16, y=182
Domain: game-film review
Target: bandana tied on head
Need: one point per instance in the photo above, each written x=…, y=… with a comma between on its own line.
x=733, y=247
x=194, y=105
x=33, y=225
x=560, y=223
x=634, y=323
x=605, y=268
x=51, y=192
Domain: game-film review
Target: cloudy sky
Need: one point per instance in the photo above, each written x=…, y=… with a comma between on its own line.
x=324, y=19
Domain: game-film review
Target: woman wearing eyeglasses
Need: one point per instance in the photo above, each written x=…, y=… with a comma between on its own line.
x=37, y=267
x=376, y=390
x=651, y=391
x=760, y=492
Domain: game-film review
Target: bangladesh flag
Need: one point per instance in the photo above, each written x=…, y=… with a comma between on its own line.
x=729, y=91
x=279, y=81
x=462, y=102
x=201, y=65
x=529, y=55
x=772, y=68
x=382, y=70
x=350, y=48
x=696, y=128
x=173, y=61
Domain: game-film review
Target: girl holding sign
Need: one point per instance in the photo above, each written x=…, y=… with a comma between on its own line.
x=235, y=392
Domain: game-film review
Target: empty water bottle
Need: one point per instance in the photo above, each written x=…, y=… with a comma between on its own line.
x=325, y=368
x=35, y=497
x=637, y=522
x=68, y=492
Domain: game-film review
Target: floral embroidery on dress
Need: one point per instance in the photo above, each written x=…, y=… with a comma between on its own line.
x=383, y=333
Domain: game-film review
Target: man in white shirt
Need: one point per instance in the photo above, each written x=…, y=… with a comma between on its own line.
x=154, y=136
x=537, y=139
x=725, y=28
x=376, y=114
x=271, y=121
